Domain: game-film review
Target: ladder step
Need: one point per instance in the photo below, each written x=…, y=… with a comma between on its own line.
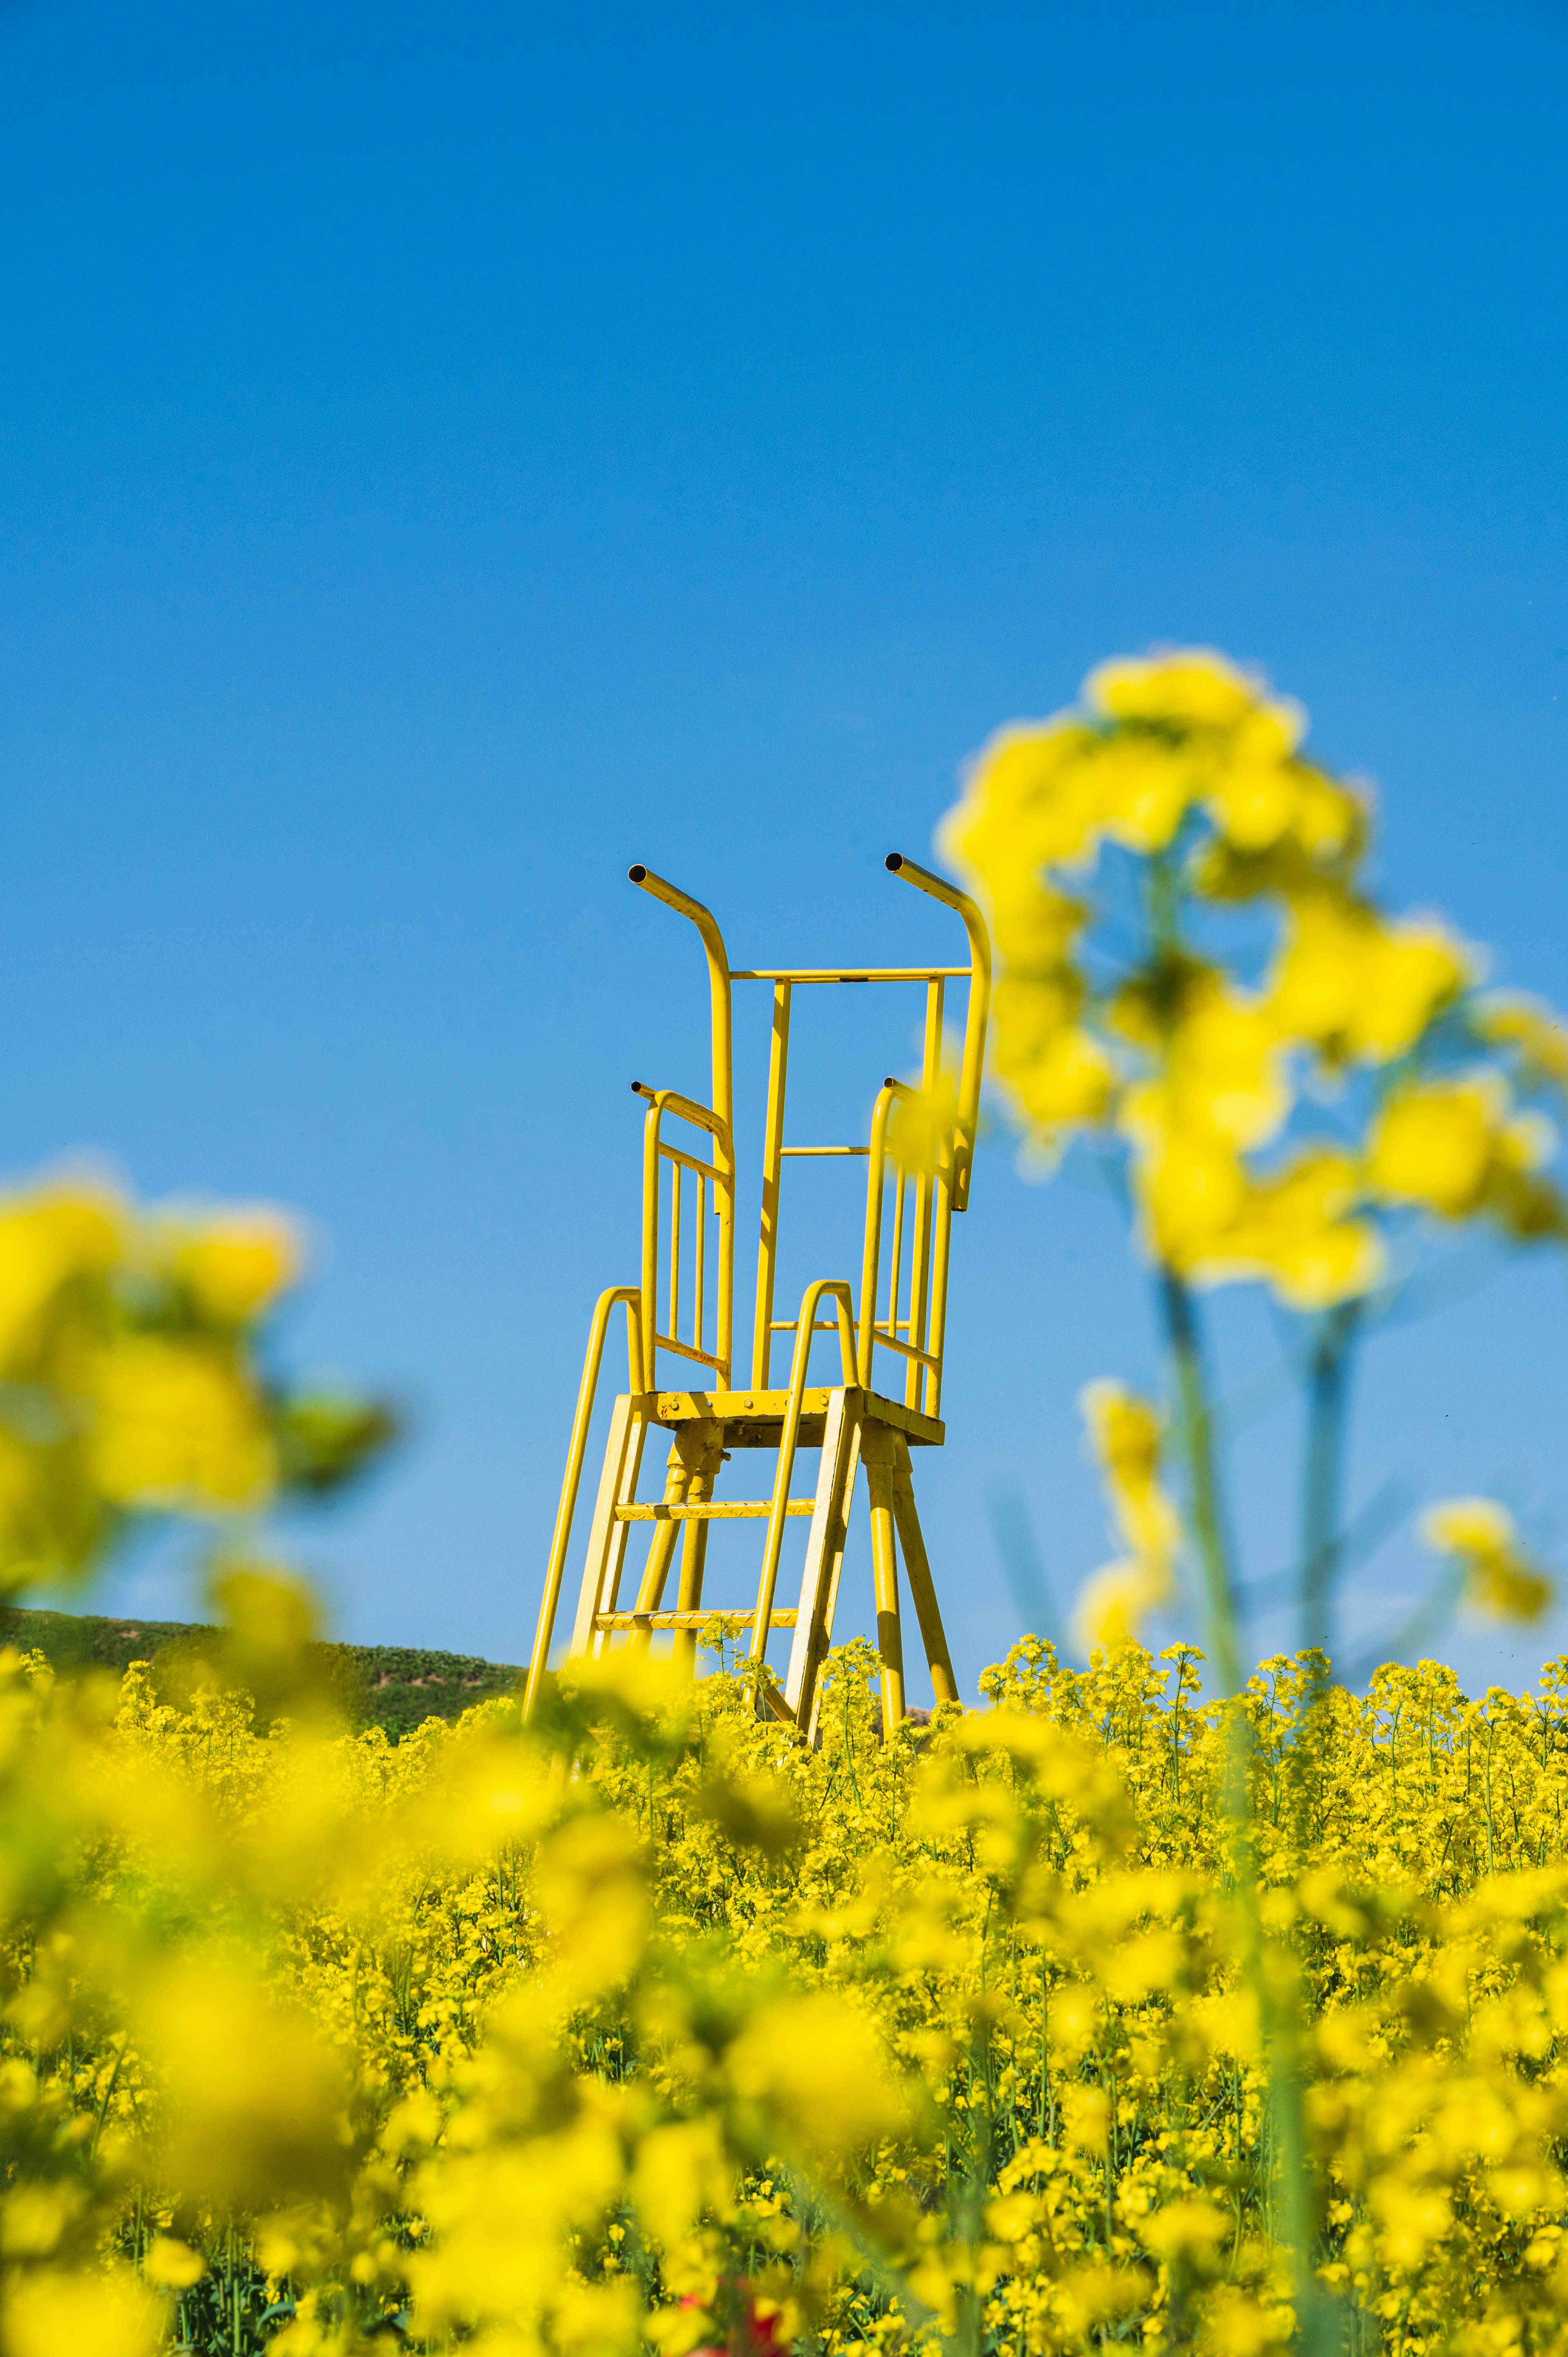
x=688, y=1620
x=733, y=1510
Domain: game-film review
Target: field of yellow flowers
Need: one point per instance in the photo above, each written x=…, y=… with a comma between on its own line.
x=651, y=2025
x=1124, y=2009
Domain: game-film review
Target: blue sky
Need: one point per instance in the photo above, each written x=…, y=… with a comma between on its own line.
x=448, y=454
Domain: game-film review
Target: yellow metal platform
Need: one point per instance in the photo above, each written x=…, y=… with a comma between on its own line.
x=919, y=1154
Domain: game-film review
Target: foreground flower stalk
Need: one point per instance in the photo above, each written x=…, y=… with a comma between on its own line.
x=1315, y=1119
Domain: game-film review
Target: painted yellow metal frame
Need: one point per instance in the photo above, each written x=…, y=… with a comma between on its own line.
x=902, y=1313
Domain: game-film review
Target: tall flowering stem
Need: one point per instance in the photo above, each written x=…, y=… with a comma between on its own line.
x=1322, y=1481
x=1206, y=1511
x=1297, y=1103
x=1196, y=1442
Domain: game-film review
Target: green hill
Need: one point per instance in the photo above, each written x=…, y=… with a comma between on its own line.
x=394, y=1686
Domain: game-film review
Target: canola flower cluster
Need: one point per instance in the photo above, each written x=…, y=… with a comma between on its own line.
x=134, y=1376
x=1176, y=793
x=1304, y=1090
x=652, y=2026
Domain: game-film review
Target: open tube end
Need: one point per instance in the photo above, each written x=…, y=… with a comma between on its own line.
x=894, y=861
x=636, y=875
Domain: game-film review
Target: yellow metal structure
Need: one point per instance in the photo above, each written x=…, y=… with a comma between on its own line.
x=921, y=1152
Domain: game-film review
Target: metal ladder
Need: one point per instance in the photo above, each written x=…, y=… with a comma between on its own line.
x=920, y=1149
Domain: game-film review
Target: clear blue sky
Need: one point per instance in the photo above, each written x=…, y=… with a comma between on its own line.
x=448, y=453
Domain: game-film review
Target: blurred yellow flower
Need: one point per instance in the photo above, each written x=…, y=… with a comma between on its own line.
x=1192, y=1191
x=1222, y=1062
x=1459, y=1147
x=1057, y=1081
x=818, y=2063
x=1434, y=1145
x=175, y=1423
x=1032, y=800
x=1126, y=1436
x=1357, y=987
x=1111, y=1608
x=1034, y=926
x=1536, y=1032
x=1502, y=1584
x=1193, y=688
x=1193, y=2229
x=252, y=2090
x=1295, y=1230
x=48, y=1237
x=81, y=2315
x=922, y=1130
x=588, y=1876
x=1145, y=790
x=681, y=2169
x=238, y=1262
x=34, y=2217
x=172, y=2264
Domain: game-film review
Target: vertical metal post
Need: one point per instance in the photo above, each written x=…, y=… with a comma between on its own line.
x=922, y=1588
x=920, y=1242
x=772, y=1167
x=824, y=1553
x=972, y=1068
x=607, y=1535
x=876, y=1450
x=703, y=1447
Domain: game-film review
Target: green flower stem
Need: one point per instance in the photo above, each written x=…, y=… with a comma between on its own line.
x=1195, y=1432
x=1315, y=2330
x=1328, y=1428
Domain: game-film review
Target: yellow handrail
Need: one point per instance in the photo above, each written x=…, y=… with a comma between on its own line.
x=562, y=1540
x=722, y=1173
x=722, y=1058
x=805, y=1331
x=972, y=1070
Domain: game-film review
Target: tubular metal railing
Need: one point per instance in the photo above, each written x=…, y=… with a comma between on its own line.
x=684, y=1304
x=718, y=1175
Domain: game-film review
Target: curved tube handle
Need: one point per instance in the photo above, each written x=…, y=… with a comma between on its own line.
x=718, y=978
x=723, y=1079
x=973, y=1066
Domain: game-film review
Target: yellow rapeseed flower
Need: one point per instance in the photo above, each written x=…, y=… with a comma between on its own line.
x=48, y=1237
x=1535, y=1031
x=1192, y=1191
x=172, y=2262
x=238, y=1262
x=1192, y=688
x=1126, y=1436
x=85, y=2314
x=921, y=1131
x=819, y=2066
x=1111, y=1608
x=1296, y=1230
x=1221, y=1064
x=1145, y=790
x=1357, y=987
x=1458, y=1148
x=1502, y=1584
x=175, y=1423
x=1032, y=800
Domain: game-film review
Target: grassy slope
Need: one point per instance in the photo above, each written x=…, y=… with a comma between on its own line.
x=394, y=1686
